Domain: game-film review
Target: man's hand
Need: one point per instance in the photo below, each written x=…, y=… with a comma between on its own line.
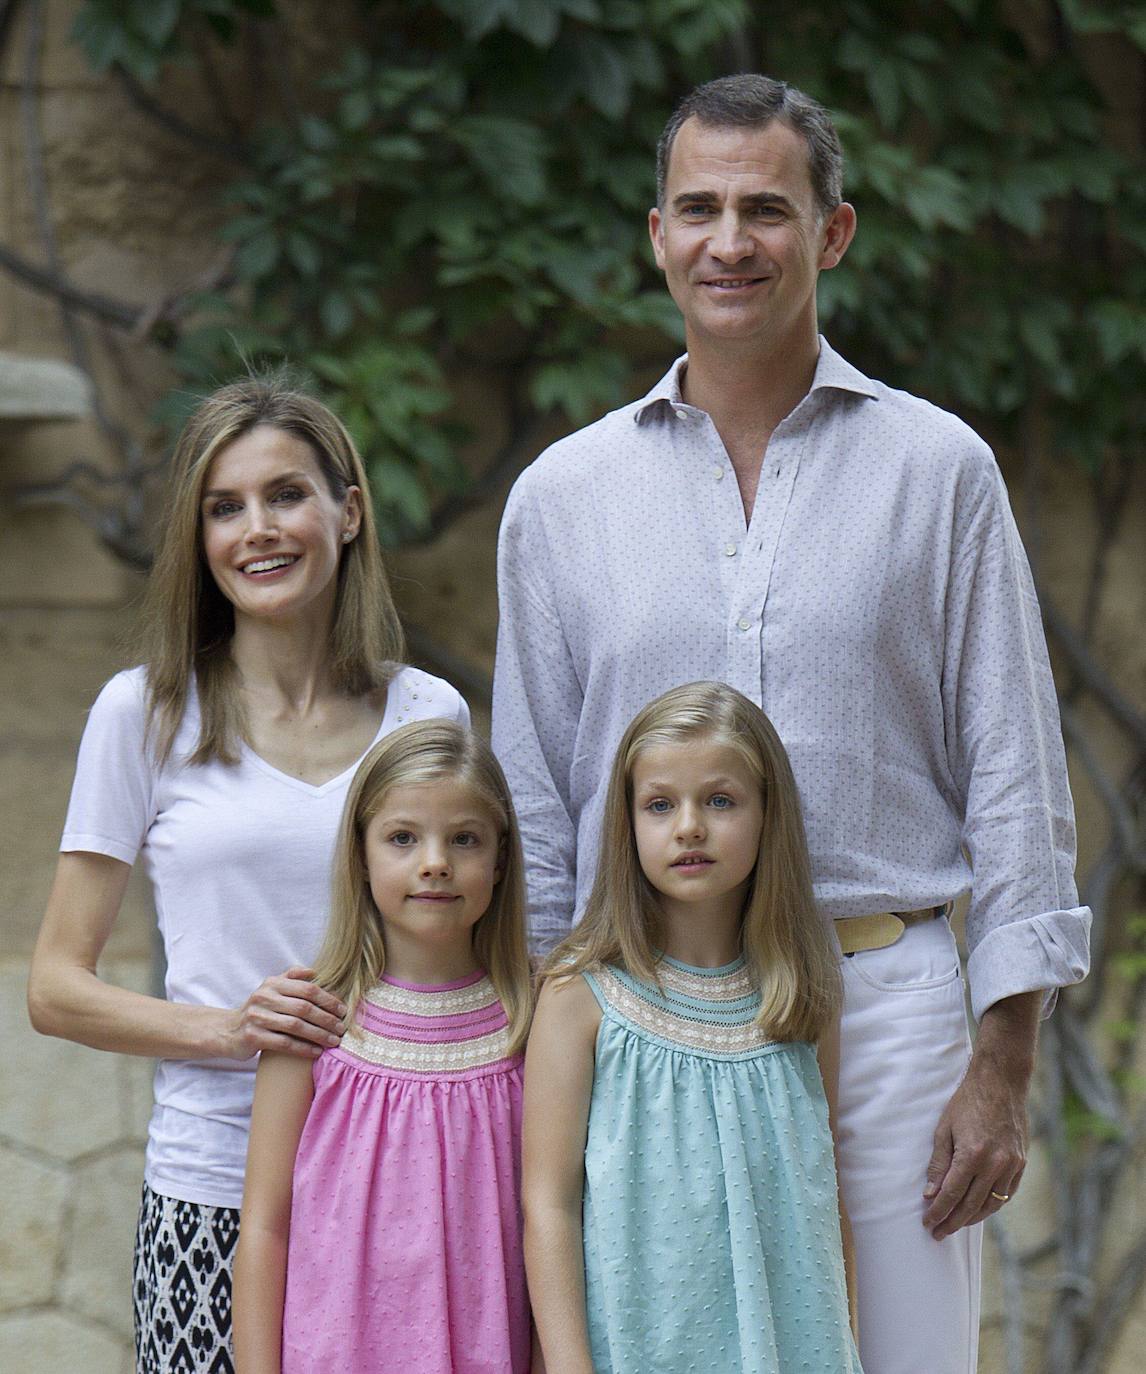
x=981, y=1140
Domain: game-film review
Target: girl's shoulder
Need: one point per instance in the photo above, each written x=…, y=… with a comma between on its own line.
x=571, y=999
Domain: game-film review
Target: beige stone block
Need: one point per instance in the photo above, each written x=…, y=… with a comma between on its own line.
x=34, y=787
x=50, y=556
x=52, y=1343
x=59, y=1098
x=137, y=1095
x=52, y=664
x=96, y=1279
x=34, y=1197
x=62, y=62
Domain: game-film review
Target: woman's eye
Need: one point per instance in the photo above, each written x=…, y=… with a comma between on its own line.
x=221, y=509
x=288, y=495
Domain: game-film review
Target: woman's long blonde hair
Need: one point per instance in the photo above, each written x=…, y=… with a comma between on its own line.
x=785, y=939
x=353, y=954
x=188, y=622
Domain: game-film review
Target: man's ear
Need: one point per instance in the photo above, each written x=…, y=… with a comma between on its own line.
x=657, y=236
x=839, y=230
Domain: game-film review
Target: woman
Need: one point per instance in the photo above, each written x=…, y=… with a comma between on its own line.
x=272, y=666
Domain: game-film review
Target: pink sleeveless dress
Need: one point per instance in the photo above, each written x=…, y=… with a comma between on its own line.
x=405, y=1235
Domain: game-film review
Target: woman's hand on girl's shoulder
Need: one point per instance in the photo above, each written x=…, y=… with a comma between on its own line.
x=287, y=1014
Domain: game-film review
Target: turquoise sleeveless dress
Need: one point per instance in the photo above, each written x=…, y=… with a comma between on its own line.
x=711, y=1227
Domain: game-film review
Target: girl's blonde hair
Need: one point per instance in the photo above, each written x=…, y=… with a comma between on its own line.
x=353, y=954
x=188, y=622
x=785, y=939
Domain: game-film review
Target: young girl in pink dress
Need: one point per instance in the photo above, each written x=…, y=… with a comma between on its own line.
x=381, y=1223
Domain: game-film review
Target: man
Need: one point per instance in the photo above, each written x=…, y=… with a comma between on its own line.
x=844, y=554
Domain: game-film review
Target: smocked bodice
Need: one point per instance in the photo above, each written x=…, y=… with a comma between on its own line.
x=457, y=1028
x=709, y=1011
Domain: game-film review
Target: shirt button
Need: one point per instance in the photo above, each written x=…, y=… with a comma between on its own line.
x=718, y=470
x=679, y=412
x=730, y=550
x=743, y=624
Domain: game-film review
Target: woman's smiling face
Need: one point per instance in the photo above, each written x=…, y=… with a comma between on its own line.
x=273, y=532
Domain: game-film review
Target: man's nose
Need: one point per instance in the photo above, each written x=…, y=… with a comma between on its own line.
x=730, y=240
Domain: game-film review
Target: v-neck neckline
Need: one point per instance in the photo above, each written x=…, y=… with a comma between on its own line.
x=321, y=789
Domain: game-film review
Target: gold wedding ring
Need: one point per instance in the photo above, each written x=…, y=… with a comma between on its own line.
x=1000, y=1197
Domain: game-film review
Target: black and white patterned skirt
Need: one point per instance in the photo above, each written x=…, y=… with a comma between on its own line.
x=184, y=1255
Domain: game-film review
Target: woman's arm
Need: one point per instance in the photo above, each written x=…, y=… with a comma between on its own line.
x=284, y=1090
x=67, y=998
x=828, y=1052
x=558, y=1086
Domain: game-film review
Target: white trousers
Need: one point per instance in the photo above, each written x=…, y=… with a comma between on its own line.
x=904, y=1048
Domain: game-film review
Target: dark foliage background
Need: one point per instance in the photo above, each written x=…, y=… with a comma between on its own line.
x=436, y=186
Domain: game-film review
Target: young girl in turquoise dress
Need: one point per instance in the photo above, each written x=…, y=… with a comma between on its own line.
x=381, y=1224
x=681, y=1206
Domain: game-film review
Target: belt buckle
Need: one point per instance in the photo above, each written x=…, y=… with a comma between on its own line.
x=869, y=932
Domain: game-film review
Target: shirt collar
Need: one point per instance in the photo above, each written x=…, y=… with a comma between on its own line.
x=833, y=373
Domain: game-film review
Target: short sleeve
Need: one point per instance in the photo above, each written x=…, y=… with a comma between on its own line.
x=112, y=801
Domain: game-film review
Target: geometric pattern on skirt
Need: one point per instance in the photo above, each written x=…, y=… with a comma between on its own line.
x=184, y=1254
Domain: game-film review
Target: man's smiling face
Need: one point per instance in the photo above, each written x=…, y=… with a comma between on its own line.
x=741, y=238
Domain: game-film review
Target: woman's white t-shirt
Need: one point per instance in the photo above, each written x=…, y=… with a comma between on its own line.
x=239, y=859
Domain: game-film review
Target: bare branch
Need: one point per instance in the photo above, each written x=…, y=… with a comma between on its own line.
x=1116, y=1305
x=1096, y=892
x=524, y=444
x=105, y=308
x=1013, y=1317
x=1091, y=672
x=120, y=537
x=1121, y=818
x=232, y=149
x=1110, y=506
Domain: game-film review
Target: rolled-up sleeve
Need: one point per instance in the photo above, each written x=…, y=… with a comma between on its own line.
x=1025, y=929
x=537, y=701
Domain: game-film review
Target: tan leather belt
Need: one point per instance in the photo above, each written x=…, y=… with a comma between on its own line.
x=883, y=928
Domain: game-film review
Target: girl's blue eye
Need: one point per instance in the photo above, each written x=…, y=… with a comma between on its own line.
x=401, y=837
x=721, y=801
x=466, y=838
x=659, y=805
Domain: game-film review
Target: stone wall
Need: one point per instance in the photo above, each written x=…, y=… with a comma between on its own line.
x=134, y=219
